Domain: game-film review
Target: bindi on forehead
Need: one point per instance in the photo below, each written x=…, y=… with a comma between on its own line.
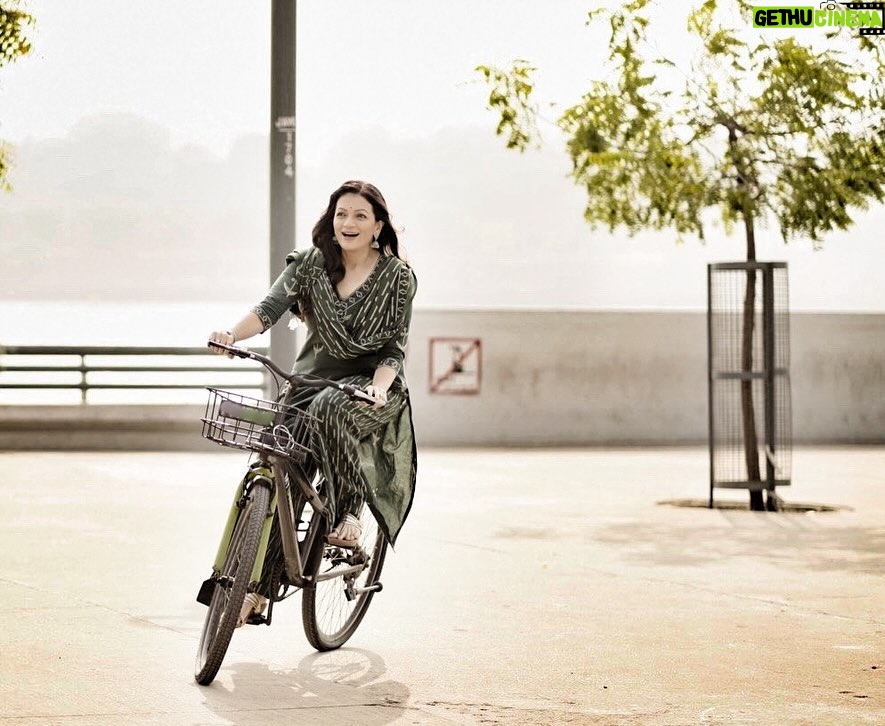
x=352, y=203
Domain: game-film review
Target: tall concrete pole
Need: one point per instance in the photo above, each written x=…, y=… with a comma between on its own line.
x=282, y=160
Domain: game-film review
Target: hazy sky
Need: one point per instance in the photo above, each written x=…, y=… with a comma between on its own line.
x=201, y=67
x=402, y=71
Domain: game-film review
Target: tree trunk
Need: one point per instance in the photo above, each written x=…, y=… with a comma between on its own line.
x=748, y=411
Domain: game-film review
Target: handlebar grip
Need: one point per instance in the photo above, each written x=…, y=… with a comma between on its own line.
x=355, y=392
x=232, y=349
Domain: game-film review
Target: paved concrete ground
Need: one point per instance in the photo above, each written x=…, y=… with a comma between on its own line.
x=529, y=587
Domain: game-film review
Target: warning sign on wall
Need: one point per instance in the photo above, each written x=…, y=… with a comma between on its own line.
x=455, y=365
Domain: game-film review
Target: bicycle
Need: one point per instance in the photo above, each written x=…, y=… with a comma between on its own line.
x=282, y=490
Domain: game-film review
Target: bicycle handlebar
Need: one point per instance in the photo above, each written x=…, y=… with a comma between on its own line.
x=297, y=379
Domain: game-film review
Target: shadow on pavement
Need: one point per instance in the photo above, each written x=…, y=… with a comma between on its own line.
x=348, y=678
x=808, y=541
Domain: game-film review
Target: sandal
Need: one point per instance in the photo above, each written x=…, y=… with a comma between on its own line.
x=347, y=533
x=254, y=604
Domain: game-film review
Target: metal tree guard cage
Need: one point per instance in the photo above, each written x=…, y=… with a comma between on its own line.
x=748, y=359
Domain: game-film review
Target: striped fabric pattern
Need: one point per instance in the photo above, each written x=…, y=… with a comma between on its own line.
x=365, y=453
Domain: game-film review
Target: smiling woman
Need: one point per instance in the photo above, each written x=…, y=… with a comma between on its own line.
x=354, y=292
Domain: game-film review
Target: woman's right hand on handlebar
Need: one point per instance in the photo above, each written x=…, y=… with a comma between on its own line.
x=221, y=336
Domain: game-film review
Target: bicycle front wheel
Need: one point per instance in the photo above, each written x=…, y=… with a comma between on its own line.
x=232, y=584
x=344, y=582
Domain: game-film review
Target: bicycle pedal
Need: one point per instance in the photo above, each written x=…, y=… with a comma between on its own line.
x=375, y=587
x=256, y=619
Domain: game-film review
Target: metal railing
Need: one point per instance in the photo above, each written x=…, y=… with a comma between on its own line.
x=122, y=368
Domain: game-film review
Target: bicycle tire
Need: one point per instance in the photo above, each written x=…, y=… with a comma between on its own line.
x=227, y=598
x=328, y=616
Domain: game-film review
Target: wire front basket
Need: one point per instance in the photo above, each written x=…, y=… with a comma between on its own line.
x=243, y=422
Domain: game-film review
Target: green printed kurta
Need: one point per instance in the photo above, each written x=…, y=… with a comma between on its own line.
x=363, y=452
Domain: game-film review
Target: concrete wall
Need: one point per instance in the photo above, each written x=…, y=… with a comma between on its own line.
x=575, y=378
x=567, y=378
x=554, y=378
x=838, y=377
x=131, y=428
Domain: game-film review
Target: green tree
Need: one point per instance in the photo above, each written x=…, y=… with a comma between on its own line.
x=759, y=127
x=14, y=43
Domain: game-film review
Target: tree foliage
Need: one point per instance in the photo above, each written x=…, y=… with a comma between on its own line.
x=14, y=43
x=510, y=96
x=758, y=125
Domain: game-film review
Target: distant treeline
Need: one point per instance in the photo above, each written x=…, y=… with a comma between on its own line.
x=113, y=211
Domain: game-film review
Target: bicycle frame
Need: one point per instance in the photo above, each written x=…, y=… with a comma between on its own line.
x=293, y=559
x=279, y=485
x=274, y=473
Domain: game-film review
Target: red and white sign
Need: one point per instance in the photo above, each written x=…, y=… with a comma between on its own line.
x=455, y=365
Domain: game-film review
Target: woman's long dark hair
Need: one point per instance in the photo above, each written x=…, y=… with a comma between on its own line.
x=323, y=234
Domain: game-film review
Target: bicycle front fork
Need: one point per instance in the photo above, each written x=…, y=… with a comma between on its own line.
x=259, y=474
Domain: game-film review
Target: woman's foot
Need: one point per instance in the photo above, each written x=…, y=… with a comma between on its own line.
x=347, y=533
x=254, y=604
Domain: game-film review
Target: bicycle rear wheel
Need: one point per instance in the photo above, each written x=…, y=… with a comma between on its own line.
x=231, y=584
x=344, y=582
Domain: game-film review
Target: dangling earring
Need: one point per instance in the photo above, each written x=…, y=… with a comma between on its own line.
x=375, y=244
